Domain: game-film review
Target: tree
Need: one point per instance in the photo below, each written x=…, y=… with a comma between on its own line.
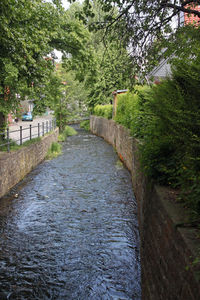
x=141, y=24
x=30, y=31
x=108, y=66
x=25, y=31
x=113, y=71
x=72, y=103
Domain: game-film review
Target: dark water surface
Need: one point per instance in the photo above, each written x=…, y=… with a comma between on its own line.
x=72, y=233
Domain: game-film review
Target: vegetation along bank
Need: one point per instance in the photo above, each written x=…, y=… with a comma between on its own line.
x=169, y=244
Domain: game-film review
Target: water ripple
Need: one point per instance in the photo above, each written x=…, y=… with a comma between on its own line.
x=72, y=233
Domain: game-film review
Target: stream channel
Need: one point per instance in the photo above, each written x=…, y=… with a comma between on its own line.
x=69, y=230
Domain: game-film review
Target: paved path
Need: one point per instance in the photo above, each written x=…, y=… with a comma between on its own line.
x=14, y=128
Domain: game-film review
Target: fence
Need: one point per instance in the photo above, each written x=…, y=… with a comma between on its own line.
x=23, y=134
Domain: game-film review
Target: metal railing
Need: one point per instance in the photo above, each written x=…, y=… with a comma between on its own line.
x=24, y=134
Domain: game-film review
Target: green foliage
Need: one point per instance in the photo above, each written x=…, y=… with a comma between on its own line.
x=68, y=131
x=14, y=146
x=61, y=137
x=104, y=111
x=171, y=150
x=166, y=119
x=30, y=31
x=113, y=70
x=68, y=97
x=54, y=150
x=141, y=25
x=30, y=142
x=132, y=110
x=85, y=125
x=107, y=66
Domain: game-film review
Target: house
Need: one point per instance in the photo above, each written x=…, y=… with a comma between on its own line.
x=163, y=70
x=160, y=72
x=190, y=18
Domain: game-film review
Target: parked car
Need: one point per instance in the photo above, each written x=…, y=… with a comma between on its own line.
x=27, y=116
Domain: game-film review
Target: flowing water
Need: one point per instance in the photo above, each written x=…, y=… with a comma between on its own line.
x=69, y=230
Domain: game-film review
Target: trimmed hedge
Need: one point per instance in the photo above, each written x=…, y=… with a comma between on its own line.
x=131, y=110
x=104, y=111
x=166, y=119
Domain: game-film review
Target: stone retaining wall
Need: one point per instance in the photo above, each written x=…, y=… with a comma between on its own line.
x=17, y=164
x=168, y=245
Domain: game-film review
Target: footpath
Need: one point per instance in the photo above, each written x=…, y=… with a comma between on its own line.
x=15, y=127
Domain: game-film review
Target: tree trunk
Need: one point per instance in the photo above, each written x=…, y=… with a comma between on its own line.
x=2, y=125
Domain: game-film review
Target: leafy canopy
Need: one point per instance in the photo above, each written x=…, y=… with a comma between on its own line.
x=108, y=66
x=29, y=32
x=141, y=24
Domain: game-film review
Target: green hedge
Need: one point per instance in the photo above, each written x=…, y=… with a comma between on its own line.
x=131, y=110
x=166, y=119
x=104, y=111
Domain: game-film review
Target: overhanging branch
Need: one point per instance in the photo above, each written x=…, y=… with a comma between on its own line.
x=183, y=7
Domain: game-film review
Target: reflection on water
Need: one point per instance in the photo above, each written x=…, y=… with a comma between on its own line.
x=72, y=231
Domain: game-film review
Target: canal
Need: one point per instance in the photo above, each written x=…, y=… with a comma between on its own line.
x=69, y=230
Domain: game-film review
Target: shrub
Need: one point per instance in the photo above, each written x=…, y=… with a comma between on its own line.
x=61, y=137
x=85, y=125
x=54, y=150
x=166, y=119
x=68, y=131
x=104, y=111
x=132, y=110
x=170, y=152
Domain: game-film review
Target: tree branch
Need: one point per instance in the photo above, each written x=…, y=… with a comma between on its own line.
x=182, y=7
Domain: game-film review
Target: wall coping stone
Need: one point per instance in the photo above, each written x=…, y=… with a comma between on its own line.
x=179, y=216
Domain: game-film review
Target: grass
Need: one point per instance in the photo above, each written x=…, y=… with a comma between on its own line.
x=119, y=165
x=68, y=131
x=54, y=150
x=14, y=146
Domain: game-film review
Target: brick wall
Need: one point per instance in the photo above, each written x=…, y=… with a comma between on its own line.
x=167, y=249
x=17, y=164
x=190, y=18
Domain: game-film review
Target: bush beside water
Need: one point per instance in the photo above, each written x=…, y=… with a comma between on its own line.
x=85, y=125
x=68, y=131
x=166, y=120
x=54, y=150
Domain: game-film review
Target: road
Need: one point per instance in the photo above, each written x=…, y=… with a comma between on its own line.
x=15, y=128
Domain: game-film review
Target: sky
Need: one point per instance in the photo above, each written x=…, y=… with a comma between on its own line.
x=65, y=4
